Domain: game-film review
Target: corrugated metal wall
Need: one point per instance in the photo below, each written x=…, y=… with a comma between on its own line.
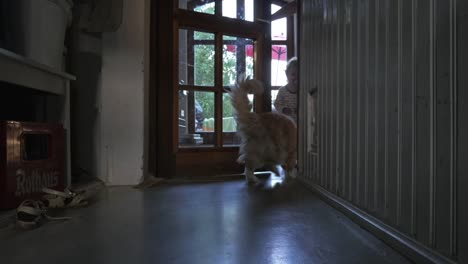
x=386, y=110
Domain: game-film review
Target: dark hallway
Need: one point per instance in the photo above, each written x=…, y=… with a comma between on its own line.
x=143, y=97
x=226, y=222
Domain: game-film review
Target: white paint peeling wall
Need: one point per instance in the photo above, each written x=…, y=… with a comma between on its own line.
x=121, y=146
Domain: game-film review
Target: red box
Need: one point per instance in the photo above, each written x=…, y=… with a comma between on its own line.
x=31, y=157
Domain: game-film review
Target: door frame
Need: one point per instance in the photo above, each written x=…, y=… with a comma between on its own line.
x=165, y=159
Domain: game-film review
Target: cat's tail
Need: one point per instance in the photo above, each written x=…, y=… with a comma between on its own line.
x=240, y=100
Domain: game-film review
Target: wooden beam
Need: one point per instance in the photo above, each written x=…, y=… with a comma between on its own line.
x=279, y=2
x=191, y=20
x=161, y=90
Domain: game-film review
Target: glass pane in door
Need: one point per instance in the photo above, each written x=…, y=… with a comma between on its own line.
x=196, y=58
x=196, y=118
x=238, y=54
x=230, y=137
x=279, y=26
x=204, y=6
x=279, y=60
x=239, y=9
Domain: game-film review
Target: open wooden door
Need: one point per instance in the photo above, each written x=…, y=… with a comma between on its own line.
x=203, y=47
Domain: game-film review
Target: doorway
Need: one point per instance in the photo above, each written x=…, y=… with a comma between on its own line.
x=200, y=49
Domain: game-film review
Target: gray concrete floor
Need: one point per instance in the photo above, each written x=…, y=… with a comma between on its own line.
x=225, y=222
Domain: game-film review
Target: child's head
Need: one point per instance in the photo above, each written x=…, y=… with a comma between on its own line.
x=291, y=71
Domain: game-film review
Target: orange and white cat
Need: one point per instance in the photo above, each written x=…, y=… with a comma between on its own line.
x=267, y=139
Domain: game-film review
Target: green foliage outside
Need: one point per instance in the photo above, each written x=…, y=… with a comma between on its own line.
x=204, y=70
x=206, y=8
x=204, y=75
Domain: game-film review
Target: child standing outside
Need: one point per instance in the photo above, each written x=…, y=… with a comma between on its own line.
x=286, y=100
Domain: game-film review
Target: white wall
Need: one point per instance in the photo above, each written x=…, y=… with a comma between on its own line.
x=120, y=149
